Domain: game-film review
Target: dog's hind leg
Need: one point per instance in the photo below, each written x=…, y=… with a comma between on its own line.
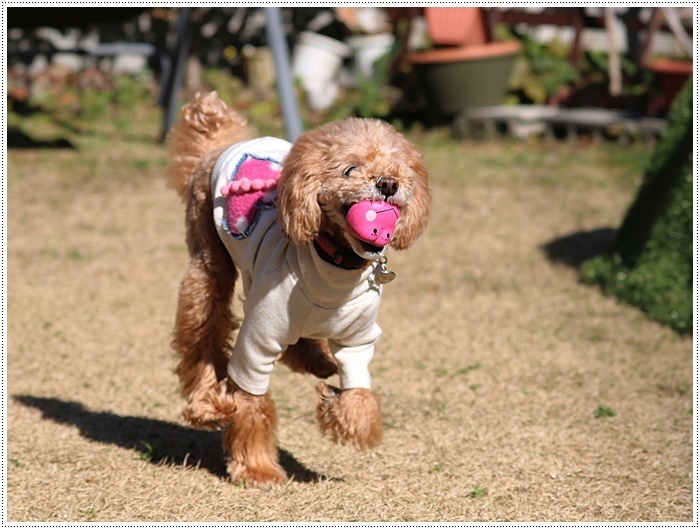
x=203, y=325
x=310, y=356
x=202, y=339
x=204, y=319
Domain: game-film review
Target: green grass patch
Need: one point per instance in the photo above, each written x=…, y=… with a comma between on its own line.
x=603, y=412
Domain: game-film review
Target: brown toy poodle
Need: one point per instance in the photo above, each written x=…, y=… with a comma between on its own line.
x=305, y=226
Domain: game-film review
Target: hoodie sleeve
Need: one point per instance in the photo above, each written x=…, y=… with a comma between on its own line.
x=266, y=331
x=353, y=359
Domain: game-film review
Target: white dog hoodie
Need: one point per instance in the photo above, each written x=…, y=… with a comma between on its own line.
x=291, y=293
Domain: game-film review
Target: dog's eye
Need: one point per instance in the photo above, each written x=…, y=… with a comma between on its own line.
x=349, y=170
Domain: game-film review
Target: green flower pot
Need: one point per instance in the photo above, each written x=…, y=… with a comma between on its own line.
x=455, y=79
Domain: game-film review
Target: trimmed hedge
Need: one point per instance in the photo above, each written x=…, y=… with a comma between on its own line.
x=651, y=264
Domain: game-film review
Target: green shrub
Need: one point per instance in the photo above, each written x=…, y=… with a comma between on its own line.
x=651, y=264
x=541, y=70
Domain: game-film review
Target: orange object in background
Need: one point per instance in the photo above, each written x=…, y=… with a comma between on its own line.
x=455, y=26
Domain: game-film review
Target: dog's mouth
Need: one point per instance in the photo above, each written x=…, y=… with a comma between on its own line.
x=370, y=248
x=365, y=250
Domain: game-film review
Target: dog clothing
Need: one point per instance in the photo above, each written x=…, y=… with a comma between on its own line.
x=290, y=291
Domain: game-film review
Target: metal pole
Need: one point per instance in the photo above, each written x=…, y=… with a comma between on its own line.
x=176, y=74
x=290, y=110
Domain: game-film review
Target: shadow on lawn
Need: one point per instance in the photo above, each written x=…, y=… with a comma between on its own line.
x=574, y=249
x=18, y=139
x=156, y=441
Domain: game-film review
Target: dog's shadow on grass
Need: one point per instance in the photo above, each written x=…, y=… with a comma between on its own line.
x=158, y=442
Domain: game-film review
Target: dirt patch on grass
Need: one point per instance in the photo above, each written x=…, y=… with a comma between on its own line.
x=492, y=366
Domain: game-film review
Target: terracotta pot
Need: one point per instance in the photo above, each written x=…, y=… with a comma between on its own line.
x=455, y=26
x=672, y=76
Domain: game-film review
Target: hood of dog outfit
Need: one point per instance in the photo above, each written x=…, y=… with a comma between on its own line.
x=289, y=288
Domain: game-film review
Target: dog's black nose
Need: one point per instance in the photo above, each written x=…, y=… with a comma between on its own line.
x=388, y=185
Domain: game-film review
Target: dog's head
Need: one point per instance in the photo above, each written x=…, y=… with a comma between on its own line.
x=340, y=164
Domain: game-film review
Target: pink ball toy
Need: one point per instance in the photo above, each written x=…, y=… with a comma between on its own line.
x=372, y=222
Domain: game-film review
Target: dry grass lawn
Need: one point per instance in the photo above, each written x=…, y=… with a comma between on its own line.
x=494, y=369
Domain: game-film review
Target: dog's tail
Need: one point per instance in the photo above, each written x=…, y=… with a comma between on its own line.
x=206, y=123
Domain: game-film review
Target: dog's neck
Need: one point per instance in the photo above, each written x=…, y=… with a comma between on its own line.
x=335, y=254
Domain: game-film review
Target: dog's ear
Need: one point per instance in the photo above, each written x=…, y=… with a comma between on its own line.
x=414, y=217
x=299, y=183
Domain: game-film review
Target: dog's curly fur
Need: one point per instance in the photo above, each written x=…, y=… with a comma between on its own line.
x=311, y=195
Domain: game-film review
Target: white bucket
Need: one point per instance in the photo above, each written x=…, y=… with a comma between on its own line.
x=317, y=60
x=367, y=50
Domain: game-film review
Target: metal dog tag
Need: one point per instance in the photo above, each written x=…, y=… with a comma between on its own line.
x=384, y=275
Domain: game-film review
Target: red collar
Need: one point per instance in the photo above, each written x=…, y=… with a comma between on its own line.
x=329, y=253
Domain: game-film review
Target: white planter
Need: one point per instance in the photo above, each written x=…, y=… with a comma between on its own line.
x=317, y=60
x=367, y=50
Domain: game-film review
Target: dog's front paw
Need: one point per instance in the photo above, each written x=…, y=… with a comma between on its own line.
x=250, y=442
x=260, y=477
x=351, y=416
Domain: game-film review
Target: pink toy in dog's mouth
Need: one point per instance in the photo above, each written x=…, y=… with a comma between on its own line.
x=372, y=222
